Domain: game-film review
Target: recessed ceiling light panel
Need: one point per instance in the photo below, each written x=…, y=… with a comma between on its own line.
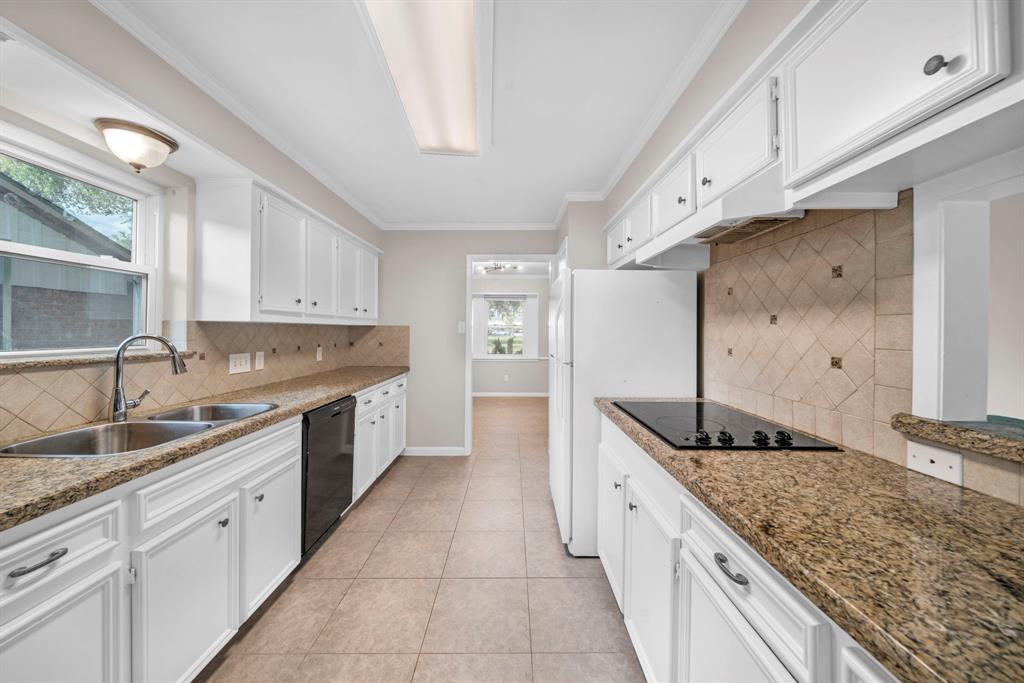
x=430, y=50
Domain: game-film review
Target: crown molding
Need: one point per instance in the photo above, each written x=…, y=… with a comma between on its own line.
x=122, y=14
x=467, y=226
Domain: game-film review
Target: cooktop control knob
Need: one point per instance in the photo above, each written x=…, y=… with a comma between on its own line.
x=725, y=438
x=761, y=439
x=783, y=438
x=702, y=438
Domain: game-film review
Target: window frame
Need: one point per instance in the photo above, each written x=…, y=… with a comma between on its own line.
x=146, y=230
x=525, y=297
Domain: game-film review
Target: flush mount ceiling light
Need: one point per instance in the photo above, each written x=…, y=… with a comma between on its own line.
x=499, y=267
x=438, y=53
x=135, y=144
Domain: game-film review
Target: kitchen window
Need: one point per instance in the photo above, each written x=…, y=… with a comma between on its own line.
x=76, y=252
x=505, y=326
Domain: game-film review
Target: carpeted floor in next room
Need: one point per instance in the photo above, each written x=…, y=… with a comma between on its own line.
x=451, y=569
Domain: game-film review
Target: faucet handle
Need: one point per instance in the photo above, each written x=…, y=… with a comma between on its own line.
x=135, y=402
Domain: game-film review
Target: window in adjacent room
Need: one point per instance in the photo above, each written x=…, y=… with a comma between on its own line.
x=504, y=326
x=73, y=274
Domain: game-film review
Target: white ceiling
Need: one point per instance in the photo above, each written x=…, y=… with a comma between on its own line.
x=577, y=88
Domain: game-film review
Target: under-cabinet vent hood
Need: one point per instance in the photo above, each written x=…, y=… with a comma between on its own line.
x=730, y=232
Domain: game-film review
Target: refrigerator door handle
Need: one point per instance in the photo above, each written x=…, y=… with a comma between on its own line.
x=569, y=363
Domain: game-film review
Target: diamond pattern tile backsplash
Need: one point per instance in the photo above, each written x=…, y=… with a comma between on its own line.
x=38, y=400
x=810, y=325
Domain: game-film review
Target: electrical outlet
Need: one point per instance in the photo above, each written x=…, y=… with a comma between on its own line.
x=319, y=353
x=259, y=360
x=238, y=362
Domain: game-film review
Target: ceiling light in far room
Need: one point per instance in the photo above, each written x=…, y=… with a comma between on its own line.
x=136, y=145
x=430, y=49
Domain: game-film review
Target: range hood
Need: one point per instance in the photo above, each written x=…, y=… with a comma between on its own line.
x=746, y=211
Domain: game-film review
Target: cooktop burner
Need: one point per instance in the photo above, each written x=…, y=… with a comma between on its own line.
x=707, y=425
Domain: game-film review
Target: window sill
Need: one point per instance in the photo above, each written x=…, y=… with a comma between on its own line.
x=513, y=359
x=29, y=363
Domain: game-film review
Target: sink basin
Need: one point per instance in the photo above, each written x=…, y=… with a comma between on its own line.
x=103, y=440
x=214, y=412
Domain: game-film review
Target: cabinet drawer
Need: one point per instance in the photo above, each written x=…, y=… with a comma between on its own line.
x=164, y=499
x=672, y=199
x=73, y=543
x=792, y=628
x=368, y=402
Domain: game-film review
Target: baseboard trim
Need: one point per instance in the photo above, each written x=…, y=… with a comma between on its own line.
x=434, y=450
x=510, y=394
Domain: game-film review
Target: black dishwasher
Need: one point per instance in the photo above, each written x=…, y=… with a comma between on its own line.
x=328, y=447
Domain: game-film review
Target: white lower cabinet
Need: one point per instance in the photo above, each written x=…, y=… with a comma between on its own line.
x=185, y=596
x=380, y=431
x=398, y=427
x=652, y=551
x=366, y=453
x=382, y=439
x=272, y=510
x=73, y=637
x=716, y=644
x=611, y=518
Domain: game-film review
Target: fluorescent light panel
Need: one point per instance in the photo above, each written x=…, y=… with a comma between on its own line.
x=430, y=49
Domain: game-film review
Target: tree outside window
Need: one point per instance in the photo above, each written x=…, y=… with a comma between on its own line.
x=505, y=327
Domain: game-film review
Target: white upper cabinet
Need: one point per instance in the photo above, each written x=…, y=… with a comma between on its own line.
x=738, y=147
x=262, y=258
x=672, y=199
x=638, y=224
x=615, y=242
x=873, y=68
x=282, y=257
x=321, y=270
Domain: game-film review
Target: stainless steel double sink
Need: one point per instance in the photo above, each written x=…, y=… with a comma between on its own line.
x=118, y=438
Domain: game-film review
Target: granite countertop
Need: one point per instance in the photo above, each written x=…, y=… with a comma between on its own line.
x=997, y=439
x=32, y=487
x=925, y=575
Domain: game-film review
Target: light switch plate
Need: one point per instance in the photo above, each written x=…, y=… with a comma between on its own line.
x=936, y=462
x=259, y=360
x=319, y=353
x=238, y=362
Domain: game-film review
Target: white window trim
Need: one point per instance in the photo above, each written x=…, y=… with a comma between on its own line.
x=35, y=149
x=490, y=357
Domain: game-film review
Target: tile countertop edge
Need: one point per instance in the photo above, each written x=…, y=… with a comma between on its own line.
x=294, y=397
x=905, y=657
x=959, y=436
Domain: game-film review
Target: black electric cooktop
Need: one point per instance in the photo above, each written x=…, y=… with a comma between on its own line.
x=710, y=426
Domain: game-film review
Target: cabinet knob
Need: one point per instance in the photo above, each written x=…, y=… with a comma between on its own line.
x=705, y=181
x=620, y=246
x=382, y=416
x=367, y=401
x=373, y=422
x=632, y=506
x=314, y=303
x=298, y=301
x=356, y=308
x=680, y=200
x=386, y=393
x=616, y=485
x=224, y=522
x=259, y=498
x=629, y=239
x=934, y=65
x=396, y=405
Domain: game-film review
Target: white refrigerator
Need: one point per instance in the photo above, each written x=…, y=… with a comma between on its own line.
x=626, y=333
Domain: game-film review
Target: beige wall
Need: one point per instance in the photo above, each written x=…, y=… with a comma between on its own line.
x=88, y=37
x=756, y=26
x=524, y=376
x=423, y=279
x=1006, y=328
x=582, y=225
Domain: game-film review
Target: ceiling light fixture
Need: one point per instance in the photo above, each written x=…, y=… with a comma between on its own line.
x=135, y=144
x=430, y=50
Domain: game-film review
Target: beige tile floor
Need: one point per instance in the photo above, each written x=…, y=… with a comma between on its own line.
x=451, y=569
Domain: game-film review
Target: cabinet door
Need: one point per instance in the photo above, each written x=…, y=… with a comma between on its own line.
x=672, y=199
x=638, y=224
x=616, y=241
x=185, y=597
x=282, y=257
x=738, y=147
x=271, y=531
x=652, y=551
x=75, y=636
x=611, y=518
x=365, y=456
x=875, y=67
x=367, y=284
x=321, y=271
x=399, y=425
x=716, y=643
x=382, y=436
x=348, y=279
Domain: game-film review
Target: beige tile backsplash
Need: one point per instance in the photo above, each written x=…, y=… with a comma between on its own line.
x=784, y=371
x=44, y=399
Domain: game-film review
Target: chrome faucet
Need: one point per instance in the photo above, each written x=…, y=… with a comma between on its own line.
x=120, y=405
